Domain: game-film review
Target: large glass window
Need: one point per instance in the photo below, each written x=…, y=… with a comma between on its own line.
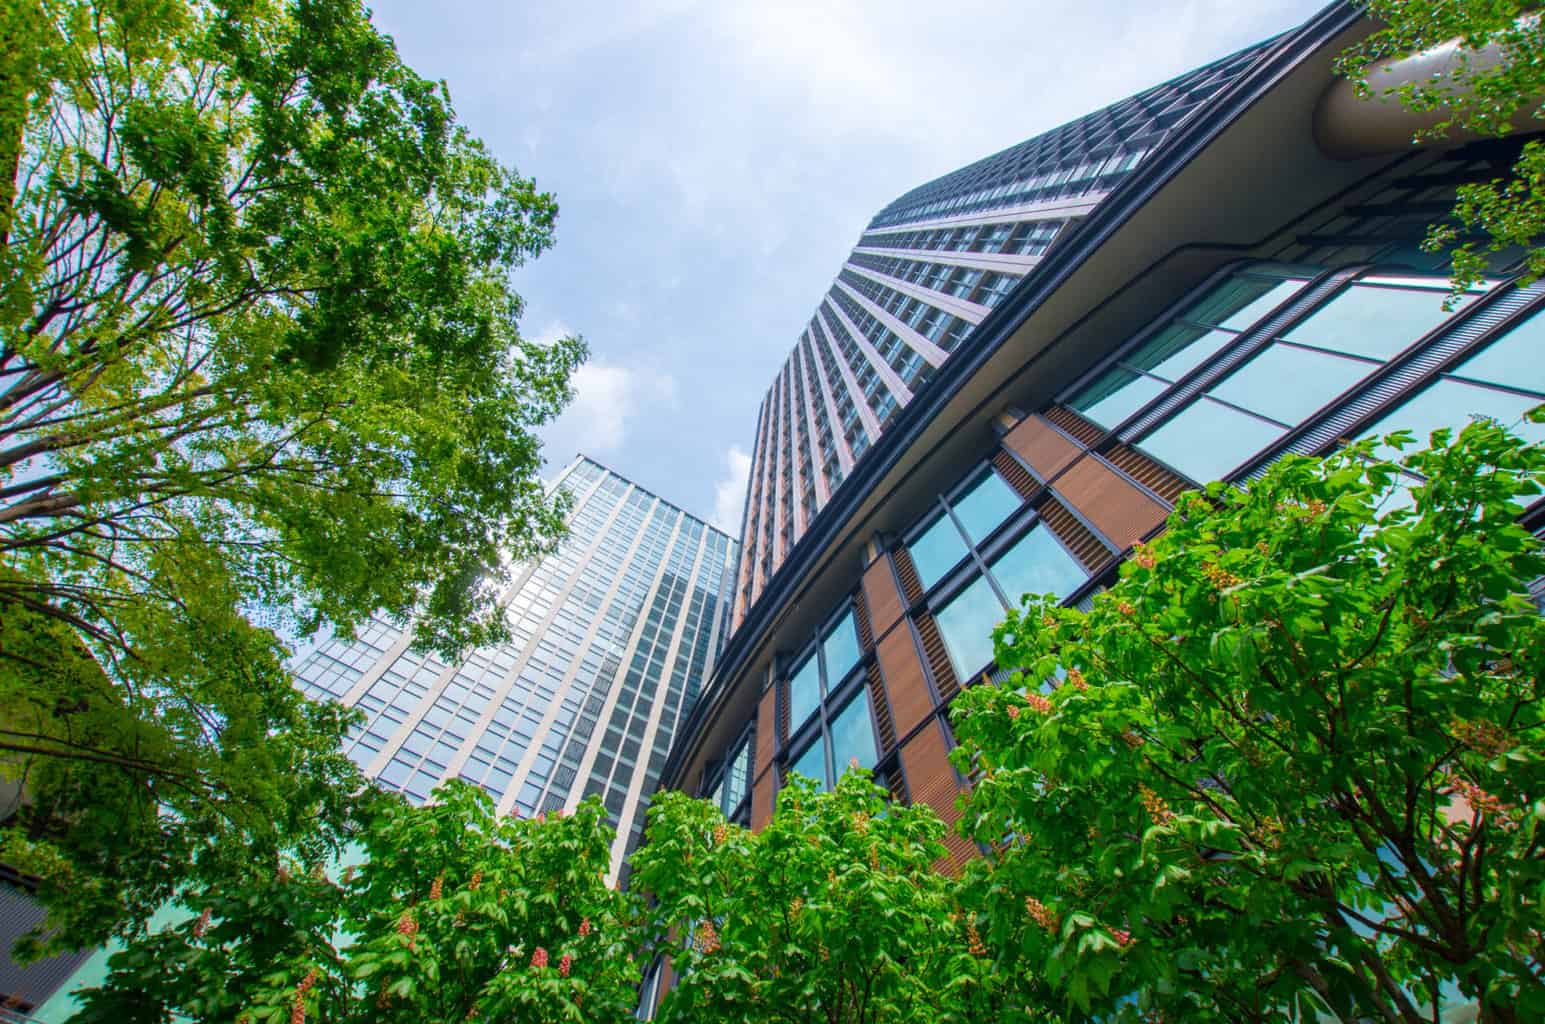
x=812, y=763
x=979, y=508
x=840, y=648
x=966, y=623
x=1376, y=317
x=852, y=736
x=985, y=505
x=1286, y=382
x=829, y=734
x=1037, y=564
x=1501, y=382
x=804, y=692
x=937, y=550
x=1206, y=327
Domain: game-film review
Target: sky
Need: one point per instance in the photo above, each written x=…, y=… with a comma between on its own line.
x=714, y=162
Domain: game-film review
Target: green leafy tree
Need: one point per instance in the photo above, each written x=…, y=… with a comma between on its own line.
x=1484, y=96
x=835, y=912
x=453, y=914
x=1292, y=762
x=258, y=350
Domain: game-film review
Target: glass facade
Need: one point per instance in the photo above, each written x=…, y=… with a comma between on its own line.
x=978, y=555
x=925, y=272
x=612, y=637
x=830, y=723
x=1212, y=391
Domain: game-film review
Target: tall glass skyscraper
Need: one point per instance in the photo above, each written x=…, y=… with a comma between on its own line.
x=927, y=269
x=612, y=636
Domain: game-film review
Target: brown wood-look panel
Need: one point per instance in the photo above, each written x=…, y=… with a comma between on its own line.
x=1042, y=447
x=762, y=800
x=1147, y=472
x=938, y=657
x=905, y=682
x=882, y=708
x=1116, y=507
x=932, y=781
x=861, y=619
x=766, y=730
x=1074, y=425
x=882, y=596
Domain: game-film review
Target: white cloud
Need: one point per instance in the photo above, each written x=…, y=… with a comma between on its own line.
x=729, y=493
x=608, y=397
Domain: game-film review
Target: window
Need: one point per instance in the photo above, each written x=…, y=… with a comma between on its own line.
x=827, y=703
x=1502, y=381
x=1205, y=328
x=1283, y=384
x=849, y=738
x=974, y=543
x=840, y=648
x=966, y=624
x=804, y=692
x=1037, y=564
x=937, y=550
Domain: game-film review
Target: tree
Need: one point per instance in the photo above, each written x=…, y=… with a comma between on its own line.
x=1292, y=762
x=833, y=913
x=453, y=914
x=258, y=361
x=1478, y=95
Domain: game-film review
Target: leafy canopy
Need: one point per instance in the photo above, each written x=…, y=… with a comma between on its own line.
x=453, y=914
x=1477, y=94
x=258, y=350
x=833, y=913
x=1291, y=762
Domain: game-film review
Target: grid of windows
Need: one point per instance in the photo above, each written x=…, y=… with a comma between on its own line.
x=612, y=636
x=977, y=554
x=1025, y=238
x=1267, y=349
x=830, y=723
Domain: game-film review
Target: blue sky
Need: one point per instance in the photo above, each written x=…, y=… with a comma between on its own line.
x=715, y=161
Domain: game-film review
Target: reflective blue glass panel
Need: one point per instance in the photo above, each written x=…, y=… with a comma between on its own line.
x=1206, y=440
x=1179, y=350
x=1037, y=564
x=841, y=649
x=1516, y=359
x=1450, y=403
x=812, y=762
x=804, y=693
x=937, y=550
x=1116, y=395
x=1373, y=320
x=853, y=736
x=1269, y=299
x=986, y=505
x=1289, y=383
x=966, y=624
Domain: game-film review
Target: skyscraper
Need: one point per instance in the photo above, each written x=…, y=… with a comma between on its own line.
x=928, y=268
x=613, y=634
x=1222, y=270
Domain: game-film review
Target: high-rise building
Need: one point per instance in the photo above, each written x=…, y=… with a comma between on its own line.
x=926, y=271
x=1177, y=289
x=612, y=636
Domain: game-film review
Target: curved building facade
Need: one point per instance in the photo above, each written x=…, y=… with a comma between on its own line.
x=1231, y=291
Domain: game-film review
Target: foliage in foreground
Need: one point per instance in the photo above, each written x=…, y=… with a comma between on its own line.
x=1292, y=765
x=258, y=349
x=1475, y=95
x=1292, y=761
x=454, y=914
x=834, y=913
